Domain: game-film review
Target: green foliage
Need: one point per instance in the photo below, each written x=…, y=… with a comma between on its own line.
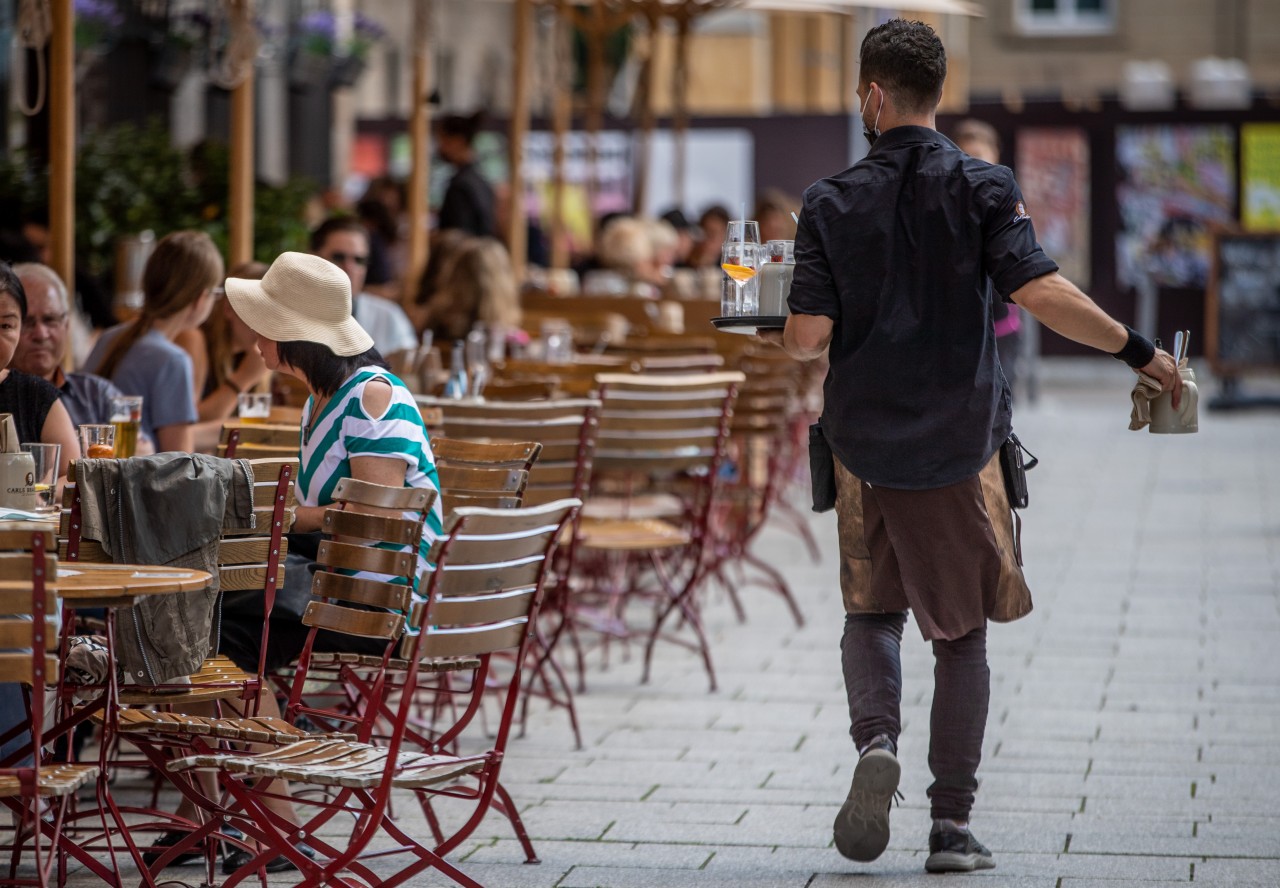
x=130, y=179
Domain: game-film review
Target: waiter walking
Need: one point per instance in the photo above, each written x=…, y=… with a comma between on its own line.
x=893, y=259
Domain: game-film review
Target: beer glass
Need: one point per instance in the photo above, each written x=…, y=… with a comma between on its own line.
x=97, y=441
x=126, y=416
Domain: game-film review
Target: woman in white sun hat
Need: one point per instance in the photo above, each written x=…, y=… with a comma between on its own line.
x=360, y=422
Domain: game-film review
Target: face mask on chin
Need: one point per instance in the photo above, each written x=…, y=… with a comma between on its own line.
x=874, y=132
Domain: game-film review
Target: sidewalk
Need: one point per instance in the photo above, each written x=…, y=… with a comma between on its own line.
x=1134, y=717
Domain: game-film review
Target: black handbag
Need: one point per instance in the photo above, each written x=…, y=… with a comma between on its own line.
x=1014, y=468
x=822, y=470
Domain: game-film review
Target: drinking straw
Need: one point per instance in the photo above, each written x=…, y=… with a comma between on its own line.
x=795, y=218
x=742, y=232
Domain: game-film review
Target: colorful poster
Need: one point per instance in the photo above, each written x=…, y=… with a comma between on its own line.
x=1260, y=175
x=613, y=166
x=1053, y=172
x=1176, y=183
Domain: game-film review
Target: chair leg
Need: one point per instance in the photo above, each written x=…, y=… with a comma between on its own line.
x=684, y=602
x=503, y=804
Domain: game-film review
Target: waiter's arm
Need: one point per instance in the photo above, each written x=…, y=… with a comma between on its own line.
x=1062, y=307
x=807, y=336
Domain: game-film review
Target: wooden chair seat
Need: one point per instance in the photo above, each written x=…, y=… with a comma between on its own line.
x=275, y=731
x=218, y=679
x=645, y=505
x=321, y=660
x=339, y=763
x=55, y=780
x=630, y=535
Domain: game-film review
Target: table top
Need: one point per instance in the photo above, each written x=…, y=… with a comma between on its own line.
x=82, y=584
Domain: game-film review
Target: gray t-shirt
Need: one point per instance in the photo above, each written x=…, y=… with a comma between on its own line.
x=156, y=369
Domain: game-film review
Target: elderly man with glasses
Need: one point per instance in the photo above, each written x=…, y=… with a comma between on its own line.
x=42, y=348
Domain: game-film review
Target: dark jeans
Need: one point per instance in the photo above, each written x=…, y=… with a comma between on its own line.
x=872, y=658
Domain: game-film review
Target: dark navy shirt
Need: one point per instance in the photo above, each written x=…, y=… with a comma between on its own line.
x=898, y=250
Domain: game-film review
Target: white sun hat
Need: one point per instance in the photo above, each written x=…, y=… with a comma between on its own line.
x=301, y=297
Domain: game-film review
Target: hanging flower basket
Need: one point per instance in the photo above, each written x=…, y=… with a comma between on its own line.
x=307, y=69
x=346, y=71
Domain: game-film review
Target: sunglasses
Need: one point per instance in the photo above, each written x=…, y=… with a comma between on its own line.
x=341, y=258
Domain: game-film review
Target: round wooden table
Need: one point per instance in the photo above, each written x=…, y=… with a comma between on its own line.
x=83, y=584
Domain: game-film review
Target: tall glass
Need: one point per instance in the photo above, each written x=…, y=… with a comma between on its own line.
x=477, y=354
x=45, y=457
x=741, y=261
x=97, y=441
x=126, y=416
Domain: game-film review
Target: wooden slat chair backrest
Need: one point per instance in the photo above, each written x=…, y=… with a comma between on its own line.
x=245, y=440
x=564, y=428
x=483, y=474
x=490, y=567
x=28, y=605
x=661, y=425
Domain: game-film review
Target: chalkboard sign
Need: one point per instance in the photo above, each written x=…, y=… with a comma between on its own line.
x=1242, y=311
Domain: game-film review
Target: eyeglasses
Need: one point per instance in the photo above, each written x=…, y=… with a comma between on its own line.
x=341, y=258
x=47, y=320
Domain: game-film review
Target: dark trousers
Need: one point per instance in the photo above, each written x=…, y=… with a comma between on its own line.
x=871, y=651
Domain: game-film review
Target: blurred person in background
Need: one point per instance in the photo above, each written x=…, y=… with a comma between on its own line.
x=180, y=284
x=90, y=298
x=38, y=412
x=713, y=224
x=773, y=212
x=382, y=277
x=627, y=250
x=686, y=233
x=666, y=251
x=445, y=248
x=344, y=242
x=979, y=139
x=469, y=202
x=42, y=350
x=479, y=286
x=225, y=362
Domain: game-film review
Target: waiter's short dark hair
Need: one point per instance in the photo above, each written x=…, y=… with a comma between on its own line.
x=908, y=60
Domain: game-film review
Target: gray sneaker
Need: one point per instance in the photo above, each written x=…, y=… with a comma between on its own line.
x=956, y=852
x=862, y=826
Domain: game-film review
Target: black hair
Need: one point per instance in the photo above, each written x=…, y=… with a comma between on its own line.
x=321, y=368
x=715, y=211
x=908, y=60
x=10, y=284
x=333, y=225
x=676, y=218
x=460, y=125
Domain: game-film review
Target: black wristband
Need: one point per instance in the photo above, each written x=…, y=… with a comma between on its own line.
x=1138, y=351
x=231, y=385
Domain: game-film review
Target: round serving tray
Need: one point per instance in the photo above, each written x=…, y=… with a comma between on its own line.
x=750, y=324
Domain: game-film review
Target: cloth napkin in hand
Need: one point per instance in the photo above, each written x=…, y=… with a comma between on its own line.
x=1144, y=390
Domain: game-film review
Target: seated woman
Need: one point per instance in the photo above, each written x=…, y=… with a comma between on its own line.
x=359, y=422
x=225, y=362
x=479, y=286
x=37, y=412
x=141, y=358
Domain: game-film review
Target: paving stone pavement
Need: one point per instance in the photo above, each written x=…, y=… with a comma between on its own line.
x=1134, y=718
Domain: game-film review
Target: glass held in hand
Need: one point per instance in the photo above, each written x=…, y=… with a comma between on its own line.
x=46, y=458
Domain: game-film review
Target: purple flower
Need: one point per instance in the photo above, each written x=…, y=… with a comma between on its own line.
x=367, y=29
x=101, y=13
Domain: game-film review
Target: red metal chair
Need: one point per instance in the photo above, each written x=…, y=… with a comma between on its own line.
x=481, y=599
x=29, y=632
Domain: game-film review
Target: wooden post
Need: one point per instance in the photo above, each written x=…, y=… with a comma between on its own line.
x=517, y=226
x=561, y=118
x=680, y=109
x=644, y=148
x=420, y=140
x=242, y=174
x=62, y=142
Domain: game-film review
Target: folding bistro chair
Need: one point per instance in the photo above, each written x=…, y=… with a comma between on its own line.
x=660, y=446
x=480, y=599
x=243, y=440
x=28, y=636
x=566, y=431
x=487, y=474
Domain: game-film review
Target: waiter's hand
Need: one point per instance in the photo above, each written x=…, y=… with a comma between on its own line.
x=772, y=337
x=1164, y=369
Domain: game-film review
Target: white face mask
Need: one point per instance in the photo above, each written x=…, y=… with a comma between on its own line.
x=874, y=132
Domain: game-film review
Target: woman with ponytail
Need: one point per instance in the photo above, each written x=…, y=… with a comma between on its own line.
x=140, y=357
